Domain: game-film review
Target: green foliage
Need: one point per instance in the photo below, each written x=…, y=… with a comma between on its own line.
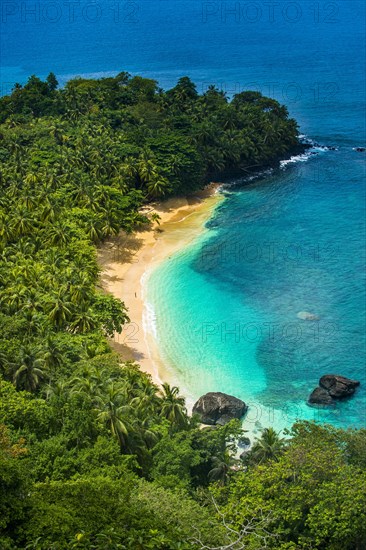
x=186, y=518
x=125, y=513
x=270, y=446
x=13, y=486
x=110, y=314
x=313, y=493
x=22, y=411
x=58, y=509
x=92, y=454
x=186, y=459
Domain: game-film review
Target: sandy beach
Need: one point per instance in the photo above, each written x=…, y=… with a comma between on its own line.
x=127, y=260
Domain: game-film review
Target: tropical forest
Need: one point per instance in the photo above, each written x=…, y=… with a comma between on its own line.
x=94, y=454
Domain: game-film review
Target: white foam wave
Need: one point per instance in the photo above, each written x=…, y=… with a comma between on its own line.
x=148, y=314
x=296, y=158
x=149, y=323
x=313, y=150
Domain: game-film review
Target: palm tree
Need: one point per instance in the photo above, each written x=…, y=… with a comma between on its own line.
x=4, y=362
x=173, y=406
x=22, y=223
x=121, y=182
x=175, y=164
x=147, y=437
x=81, y=189
x=81, y=288
x=129, y=168
x=18, y=151
x=221, y=470
x=14, y=297
x=54, y=352
x=56, y=131
x=94, y=229
x=59, y=308
x=30, y=370
x=57, y=389
x=87, y=386
x=158, y=187
x=48, y=212
x=146, y=399
x=204, y=134
x=147, y=169
x=31, y=179
x=229, y=118
x=57, y=234
x=83, y=320
x=270, y=446
x=6, y=233
x=28, y=199
x=111, y=411
x=110, y=225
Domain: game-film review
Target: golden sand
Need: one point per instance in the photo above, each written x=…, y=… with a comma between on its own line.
x=127, y=260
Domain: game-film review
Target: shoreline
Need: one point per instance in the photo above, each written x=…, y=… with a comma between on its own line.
x=126, y=262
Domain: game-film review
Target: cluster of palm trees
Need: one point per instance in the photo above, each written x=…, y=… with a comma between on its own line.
x=143, y=172
x=127, y=404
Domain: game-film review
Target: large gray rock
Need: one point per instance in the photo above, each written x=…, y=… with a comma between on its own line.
x=338, y=386
x=320, y=396
x=219, y=408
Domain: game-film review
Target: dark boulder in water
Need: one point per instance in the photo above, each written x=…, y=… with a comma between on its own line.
x=219, y=408
x=320, y=396
x=360, y=149
x=338, y=386
x=332, y=387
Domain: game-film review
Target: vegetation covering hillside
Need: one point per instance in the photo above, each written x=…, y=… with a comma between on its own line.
x=92, y=454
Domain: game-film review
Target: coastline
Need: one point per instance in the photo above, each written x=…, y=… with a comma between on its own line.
x=127, y=260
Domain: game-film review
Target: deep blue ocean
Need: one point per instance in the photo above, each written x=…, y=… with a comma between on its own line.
x=227, y=308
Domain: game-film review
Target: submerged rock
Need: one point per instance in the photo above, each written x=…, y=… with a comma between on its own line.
x=338, y=386
x=219, y=408
x=307, y=316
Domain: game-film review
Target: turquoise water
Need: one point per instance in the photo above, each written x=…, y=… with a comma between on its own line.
x=227, y=308
x=289, y=242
